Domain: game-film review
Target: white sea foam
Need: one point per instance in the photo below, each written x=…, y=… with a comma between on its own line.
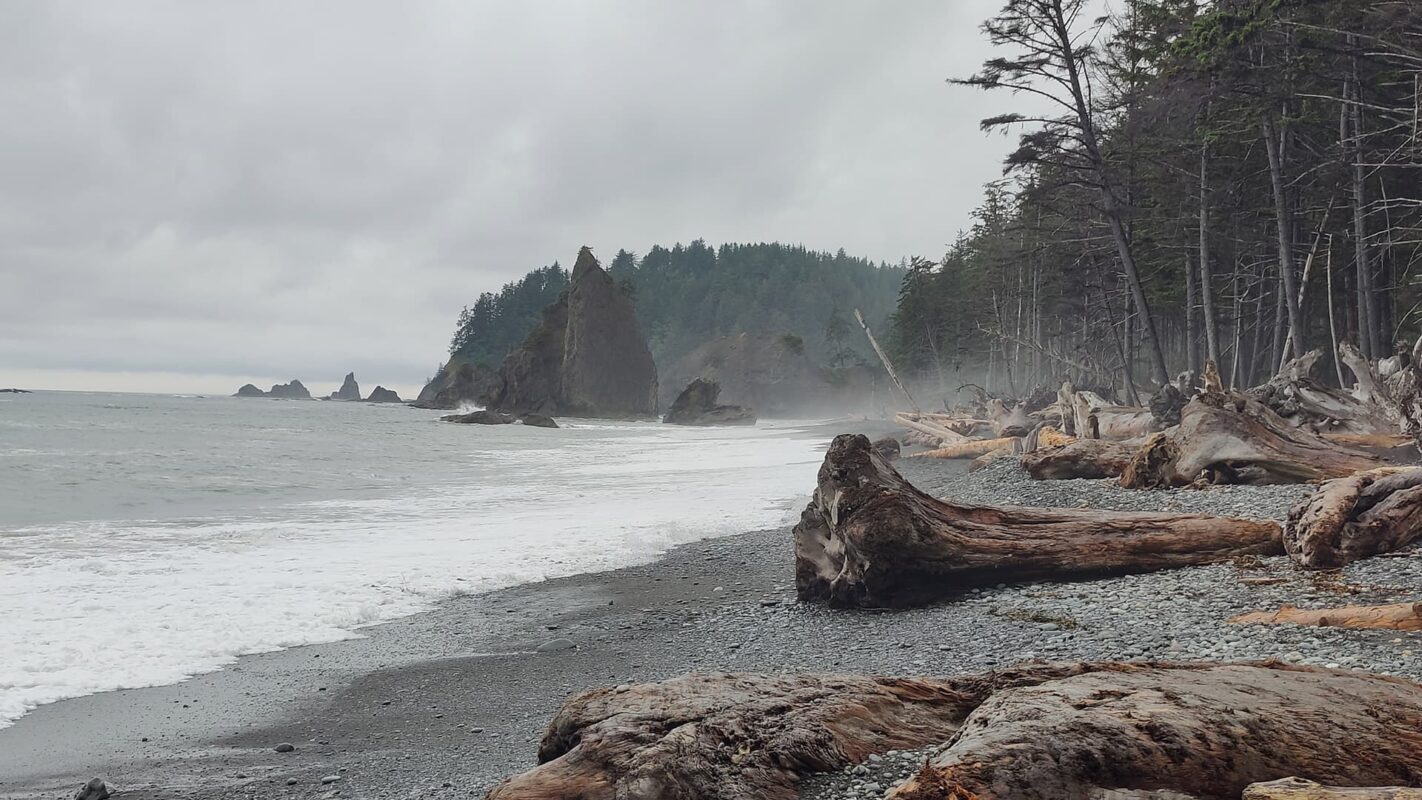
x=91, y=606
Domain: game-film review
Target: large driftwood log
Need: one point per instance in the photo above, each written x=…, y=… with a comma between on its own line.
x=1206, y=733
x=1227, y=437
x=1396, y=617
x=968, y=449
x=1097, y=419
x=1059, y=731
x=1296, y=396
x=869, y=538
x=1300, y=789
x=1080, y=458
x=1356, y=517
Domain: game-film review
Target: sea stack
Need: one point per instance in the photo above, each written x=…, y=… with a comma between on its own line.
x=586, y=358
x=383, y=395
x=291, y=391
x=350, y=390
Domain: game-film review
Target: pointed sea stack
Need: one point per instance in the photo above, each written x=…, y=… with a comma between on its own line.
x=586, y=358
x=350, y=390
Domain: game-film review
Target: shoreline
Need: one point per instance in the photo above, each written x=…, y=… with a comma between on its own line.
x=447, y=703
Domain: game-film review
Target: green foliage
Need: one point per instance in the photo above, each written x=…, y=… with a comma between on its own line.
x=689, y=294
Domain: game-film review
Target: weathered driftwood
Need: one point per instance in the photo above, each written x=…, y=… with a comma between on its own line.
x=968, y=449
x=1356, y=517
x=1204, y=733
x=869, y=538
x=1008, y=422
x=1296, y=396
x=1079, y=458
x=1300, y=789
x=1397, y=617
x=987, y=458
x=1059, y=731
x=940, y=434
x=1228, y=437
x=1097, y=419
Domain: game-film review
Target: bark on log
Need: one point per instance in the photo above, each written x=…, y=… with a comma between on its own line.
x=969, y=449
x=1080, y=458
x=1227, y=437
x=1206, y=733
x=868, y=538
x=745, y=737
x=1395, y=617
x=1362, y=515
x=1299, y=789
x=1059, y=731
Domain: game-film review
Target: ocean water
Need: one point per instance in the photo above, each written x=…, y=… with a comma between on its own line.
x=148, y=538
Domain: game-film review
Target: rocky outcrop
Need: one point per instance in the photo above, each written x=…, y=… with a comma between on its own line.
x=248, y=390
x=696, y=405
x=27, y=391
x=350, y=390
x=608, y=369
x=481, y=418
x=290, y=391
x=537, y=420
x=1033, y=732
x=587, y=357
x=383, y=395
x=458, y=383
x=766, y=372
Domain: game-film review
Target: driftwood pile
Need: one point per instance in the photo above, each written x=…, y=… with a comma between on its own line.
x=1034, y=732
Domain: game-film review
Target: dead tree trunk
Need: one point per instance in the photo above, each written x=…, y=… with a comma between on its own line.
x=1227, y=437
x=1206, y=733
x=1356, y=517
x=868, y=538
x=1082, y=458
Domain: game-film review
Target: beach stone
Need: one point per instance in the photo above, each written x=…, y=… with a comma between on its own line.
x=330, y=779
x=284, y=747
x=290, y=781
x=555, y=645
x=95, y=789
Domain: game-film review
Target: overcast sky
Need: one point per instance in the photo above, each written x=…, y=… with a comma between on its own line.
x=194, y=195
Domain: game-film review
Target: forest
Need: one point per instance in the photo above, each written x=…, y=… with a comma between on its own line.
x=1237, y=181
x=689, y=294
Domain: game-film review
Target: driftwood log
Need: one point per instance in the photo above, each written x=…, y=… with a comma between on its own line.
x=969, y=449
x=1203, y=733
x=1295, y=395
x=1058, y=731
x=1080, y=458
x=1097, y=419
x=868, y=538
x=1227, y=437
x=1300, y=789
x=1396, y=617
x=1356, y=517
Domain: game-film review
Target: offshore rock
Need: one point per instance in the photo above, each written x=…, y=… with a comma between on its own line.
x=291, y=391
x=696, y=405
x=350, y=390
x=248, y=390
x=383, y=395
x=481, y=418
x=458, y=383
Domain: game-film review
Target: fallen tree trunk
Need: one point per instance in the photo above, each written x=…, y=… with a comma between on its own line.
x=1203, y=733
x=1356, y=517
x=1227, y=437
x=1097, y=419
x=1294, y=395
x=1008, y=422
x=969, y=449
x=1396, y=617
x=869, y=538
x=1059, y=731
x=1080, y=458
x=1300, y=789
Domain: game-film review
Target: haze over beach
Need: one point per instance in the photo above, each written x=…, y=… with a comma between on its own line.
x=618, y=400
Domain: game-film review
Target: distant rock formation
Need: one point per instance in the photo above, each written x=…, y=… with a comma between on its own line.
x=383, y=395
x=458, y=383
x=481, y=418
x=248, y=390
x=291, y=391
x=27, y=391
x=768, y=372
x=537, y=420
x=350, y=390
x=696, y=405
x=587, y=357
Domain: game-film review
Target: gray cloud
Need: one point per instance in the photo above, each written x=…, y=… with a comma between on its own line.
x=297, y=189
